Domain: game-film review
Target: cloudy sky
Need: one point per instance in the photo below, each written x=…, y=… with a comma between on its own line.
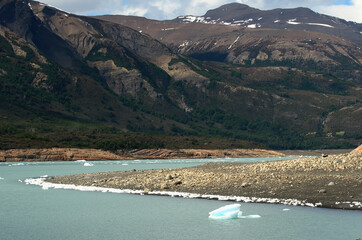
x=168, y=9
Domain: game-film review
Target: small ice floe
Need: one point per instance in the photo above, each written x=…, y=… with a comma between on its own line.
x=286, y=209
x=124, y=164
x=2, y=178
x=44, y=176
x=45, y=187
x=231, y=211
x=81, y=161
x=17, y=164
x=20, y=180
x=88, y=164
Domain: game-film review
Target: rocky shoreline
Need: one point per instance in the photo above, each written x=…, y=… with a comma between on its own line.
x=333, y=181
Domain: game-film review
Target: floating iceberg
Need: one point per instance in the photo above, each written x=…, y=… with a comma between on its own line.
x=226, y=212
x=88, y=164
x=231, y=211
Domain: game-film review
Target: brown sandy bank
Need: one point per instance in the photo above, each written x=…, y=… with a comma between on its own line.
x=55, y=154
x=73, y=154
x=335, y=180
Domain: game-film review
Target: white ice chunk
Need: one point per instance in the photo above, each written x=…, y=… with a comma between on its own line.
x=286, y=209
x=17, y=164
x=231, y=211
x=83, y=161
x=88, y=164
x=2, y=178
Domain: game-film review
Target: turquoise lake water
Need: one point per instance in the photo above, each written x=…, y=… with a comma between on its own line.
x=28, y=212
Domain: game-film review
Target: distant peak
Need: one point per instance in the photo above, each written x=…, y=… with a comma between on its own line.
x=235, y=5
x=232, y=7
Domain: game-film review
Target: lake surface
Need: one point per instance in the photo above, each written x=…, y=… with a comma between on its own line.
x=28, y=212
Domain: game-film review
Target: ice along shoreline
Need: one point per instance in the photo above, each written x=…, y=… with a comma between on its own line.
x=332, y=182
x=292, y=202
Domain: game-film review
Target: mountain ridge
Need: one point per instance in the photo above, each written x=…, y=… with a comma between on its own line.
x=275, y=87
x=294, y=18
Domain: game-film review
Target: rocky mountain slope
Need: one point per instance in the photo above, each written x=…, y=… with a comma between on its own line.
x=280, y=88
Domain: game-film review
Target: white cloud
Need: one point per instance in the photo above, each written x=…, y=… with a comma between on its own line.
x=86, y=7
x=130, y=11
x=348, y=12
x=168, y=9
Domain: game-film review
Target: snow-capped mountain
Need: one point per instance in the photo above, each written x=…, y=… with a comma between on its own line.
x=236, y=14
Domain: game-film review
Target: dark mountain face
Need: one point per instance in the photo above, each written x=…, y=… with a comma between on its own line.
x=18, y=17
x=281, y=88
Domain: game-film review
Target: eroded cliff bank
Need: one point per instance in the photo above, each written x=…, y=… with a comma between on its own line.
x=73, y=154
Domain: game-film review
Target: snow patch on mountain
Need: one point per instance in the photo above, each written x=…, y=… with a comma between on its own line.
x=293, y=22
x=237, y=39
x=321, y=24
x=167, y=29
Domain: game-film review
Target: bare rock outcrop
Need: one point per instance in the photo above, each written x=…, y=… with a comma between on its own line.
x=358, y=149
x=121, y=80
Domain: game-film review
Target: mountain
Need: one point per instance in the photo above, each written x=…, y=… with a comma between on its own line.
x=236, y=14
x=123, y=82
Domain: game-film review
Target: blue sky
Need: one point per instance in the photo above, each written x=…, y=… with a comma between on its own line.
x=350, y=10
x=343, y=2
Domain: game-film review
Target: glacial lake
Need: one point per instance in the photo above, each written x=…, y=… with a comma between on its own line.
x=28, y=212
